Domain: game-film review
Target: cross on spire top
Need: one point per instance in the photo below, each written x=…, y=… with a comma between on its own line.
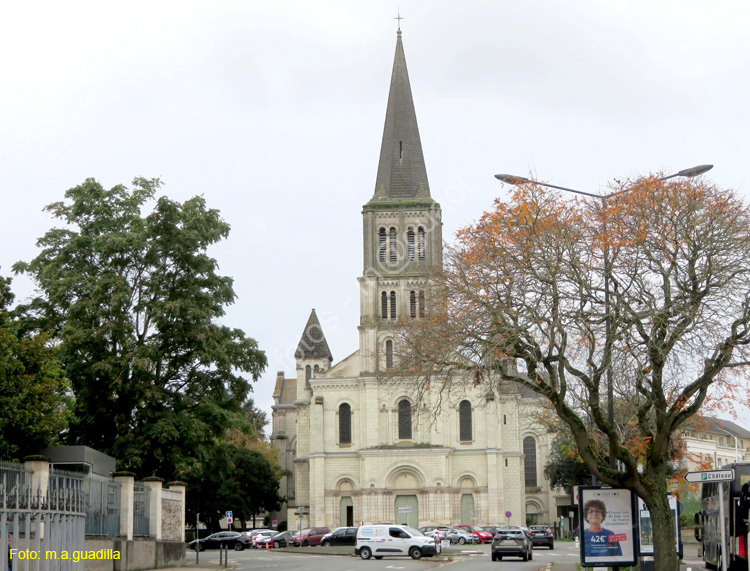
x=399, y=18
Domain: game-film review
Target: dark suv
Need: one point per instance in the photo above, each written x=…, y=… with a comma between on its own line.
x=542, y=535
x=340, y=536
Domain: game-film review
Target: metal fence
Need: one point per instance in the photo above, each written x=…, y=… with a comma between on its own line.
x=102, y=506
x=45, y=528
x=141, y=506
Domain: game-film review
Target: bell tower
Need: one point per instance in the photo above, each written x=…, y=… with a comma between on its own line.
x=402, y=227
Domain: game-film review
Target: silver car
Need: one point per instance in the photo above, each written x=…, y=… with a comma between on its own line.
x=458, y=536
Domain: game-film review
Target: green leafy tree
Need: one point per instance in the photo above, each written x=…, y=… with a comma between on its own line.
x=34, y=399
x=135, y=302
x=565, y=468
x=236, y=479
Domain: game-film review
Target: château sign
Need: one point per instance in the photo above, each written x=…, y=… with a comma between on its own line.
x=709, y=476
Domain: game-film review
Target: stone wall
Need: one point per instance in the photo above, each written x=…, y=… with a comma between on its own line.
x=171, y=519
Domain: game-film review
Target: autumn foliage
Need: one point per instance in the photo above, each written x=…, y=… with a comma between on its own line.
x=543, y=289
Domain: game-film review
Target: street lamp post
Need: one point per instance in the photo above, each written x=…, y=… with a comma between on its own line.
x=518, y=181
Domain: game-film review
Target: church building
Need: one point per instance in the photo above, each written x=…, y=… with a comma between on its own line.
x=352, y=446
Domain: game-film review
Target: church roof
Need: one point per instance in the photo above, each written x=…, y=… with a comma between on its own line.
x=401, y=172
x=313, y=344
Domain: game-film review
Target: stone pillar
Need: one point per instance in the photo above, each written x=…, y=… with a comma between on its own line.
x=154, y=506
x=127, y=497
x=40, y=476
x=182, y=488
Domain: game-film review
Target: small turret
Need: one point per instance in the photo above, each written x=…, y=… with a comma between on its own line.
x=313, y=355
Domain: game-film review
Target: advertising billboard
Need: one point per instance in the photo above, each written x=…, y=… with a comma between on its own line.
x=608, y=526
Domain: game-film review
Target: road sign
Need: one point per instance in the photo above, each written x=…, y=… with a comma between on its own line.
x=508, y=514
x=229, y=514
x=403, y=510
x=709, y=476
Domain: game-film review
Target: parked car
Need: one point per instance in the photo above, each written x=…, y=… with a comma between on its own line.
x=390, y=540
x=283, y=539
x=261, y=537
x=453, y=535
x=231, y=539
x=513, y=542
x=297, y=536
x=490, y=529
x=542, y=535
x=340, y=536
x=311, y=536
x=484, y=536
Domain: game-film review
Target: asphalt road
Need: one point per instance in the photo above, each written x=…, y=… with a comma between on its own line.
x=474, y=558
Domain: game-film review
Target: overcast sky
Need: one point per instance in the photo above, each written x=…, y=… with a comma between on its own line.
x=274, y=112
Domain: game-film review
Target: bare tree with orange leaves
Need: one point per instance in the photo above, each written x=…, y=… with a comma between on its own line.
x=521, y=301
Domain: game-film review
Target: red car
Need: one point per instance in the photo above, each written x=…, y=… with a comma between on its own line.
x=484, y=536
x=310, y=536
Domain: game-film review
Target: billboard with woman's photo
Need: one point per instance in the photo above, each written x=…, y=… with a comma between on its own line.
x=608, y=527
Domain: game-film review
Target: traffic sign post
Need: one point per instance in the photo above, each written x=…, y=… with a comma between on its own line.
x=709, y=476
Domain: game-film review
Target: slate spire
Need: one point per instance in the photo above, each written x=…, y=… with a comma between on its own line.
x=313, y=344
x=401, y=171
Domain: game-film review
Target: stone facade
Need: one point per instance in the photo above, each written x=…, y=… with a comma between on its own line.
x=352, y=444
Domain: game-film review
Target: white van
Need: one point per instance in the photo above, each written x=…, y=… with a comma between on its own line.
x=386, y=540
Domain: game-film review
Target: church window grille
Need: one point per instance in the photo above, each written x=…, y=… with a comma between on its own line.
x=345, y=424
x=404, y=420
x=464, y=421
x=384, y=305
x=421, y=304
x=529, y=461
x=410, y=243
x=421, y=245
x=393, y=246
x=412, y=303
x=393, y=305
x=381, y=245
x=389, y=354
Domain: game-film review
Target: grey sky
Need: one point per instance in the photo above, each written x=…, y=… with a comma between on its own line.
x=274, y=112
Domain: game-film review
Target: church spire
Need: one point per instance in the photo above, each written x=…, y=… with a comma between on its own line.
x=401, y=171
x=313, y=344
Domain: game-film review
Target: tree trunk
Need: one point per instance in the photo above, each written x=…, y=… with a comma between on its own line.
x=663, y=527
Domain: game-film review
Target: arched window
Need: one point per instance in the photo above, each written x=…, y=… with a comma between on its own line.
x=464, y=421
x=529, y=461
x=421, y=245
x=393, y=245
x=410, y=243
x=388, y=354
x=381, y=245
x=421, y=304
x=345, y=424
x=316, y=370
x=308, y=372
x=393, y=305
x=384, y=305
x=404, y=420
x=412, y=303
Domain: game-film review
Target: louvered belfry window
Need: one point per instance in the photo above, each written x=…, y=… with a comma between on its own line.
x=421, y=244
x=393, y=305
x=412, y=303
x=345, y=424
x=464, y=421
x=410, y=243
x=393, y=246
x=421, y=304
x=384, y=305
x=381, y=245
x=404, y=420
